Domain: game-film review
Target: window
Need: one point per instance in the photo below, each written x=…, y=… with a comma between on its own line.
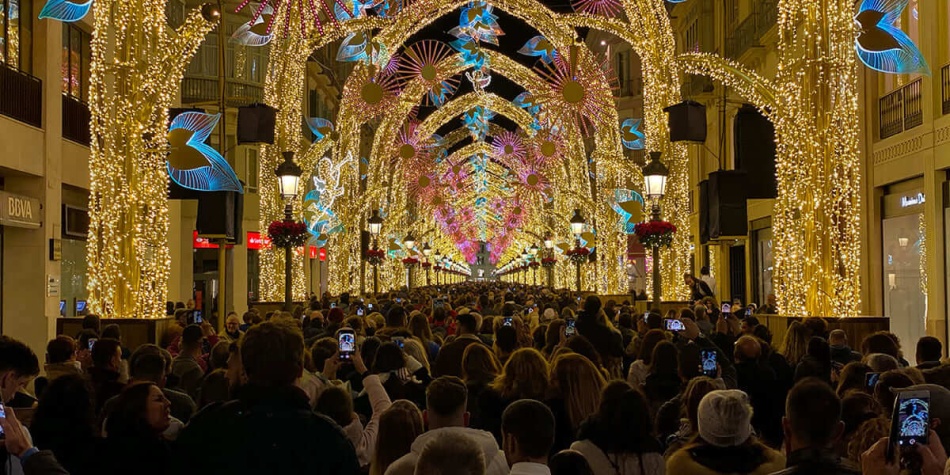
x=175, y=13
x=732, y=13
x=623, y=72
x=252, y=169
x=16, y=34
x=76, y=59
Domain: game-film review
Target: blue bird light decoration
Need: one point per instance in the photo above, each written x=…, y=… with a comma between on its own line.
x=64, y=10
x=630, y=135
x=880, y=43
x=192, y=163
x=539, y=46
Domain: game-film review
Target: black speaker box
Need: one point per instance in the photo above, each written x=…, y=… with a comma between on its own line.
x=256, y=124
x=722, y=207
x=220, y=214
x=755, y=152
x=687, y=122
x=364, y=242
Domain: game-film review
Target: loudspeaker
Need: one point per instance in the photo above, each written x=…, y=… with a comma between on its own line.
x=256, y=124
x=364, y=242
x=722, y=211
x=220, y=214
x=755, y=152
x=687, y=122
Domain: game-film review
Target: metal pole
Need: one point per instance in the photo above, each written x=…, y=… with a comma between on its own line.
x=288, y=264
x=577, y=265
x=222, y=279
x=657, y=298
x=375, y=281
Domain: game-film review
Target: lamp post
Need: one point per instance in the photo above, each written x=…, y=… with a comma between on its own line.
x=438, y=263
x=288, y=179
x=375, y=225
x=577, y=227
x=410, y=243
x=427, y=251
x=654, y=180
x=534, y=256
x=549, y=251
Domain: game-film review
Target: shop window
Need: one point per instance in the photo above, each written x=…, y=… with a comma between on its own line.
x=76, y=59
x=762, y=265
x=253, y=169
x=905, y=301
x=253, y=275
x=16, y=34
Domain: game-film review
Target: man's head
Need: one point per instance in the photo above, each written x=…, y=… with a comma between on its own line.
x=771, y=300
x=149, y=367
x=838, y=338
x=191, y=338
x=748, y=325
x=592, y=305
x=688, y=279
x=91, y=322
x=396, y=317
x=747, y=349
x=467, y=324
x=704, y=270
x=107, y=354
x=527, y=431
x=232, y=324
x=18, y=365
x=451, y=454
x=929, y=350
x=446, y=399
x=60, y=350
x=111, y=331
x=272, y=353
x=812, y=416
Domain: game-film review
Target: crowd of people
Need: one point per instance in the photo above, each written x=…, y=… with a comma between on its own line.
x=476, y=378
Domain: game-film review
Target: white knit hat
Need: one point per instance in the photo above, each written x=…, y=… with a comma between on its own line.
x=549, y=314
x=725, y=418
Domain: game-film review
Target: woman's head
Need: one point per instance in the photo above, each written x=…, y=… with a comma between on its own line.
x=575, y=379
x=65, y=411
x=419, y=327
x=881, y=342
x=398, y=428
x=665, y=359
x=795, y=344
x=479, y=364
x=623, y=424
x=818, y=348
x=582, y=346
x=215, y=387
x=695, y=391
x=553, y=334
x=506, y=340
x=857, y=407
x=335, y=402
x=650, y=340
x=388, y=358
x=413, y=347
x=140, y=411
x=525, y=376
x=853, y=377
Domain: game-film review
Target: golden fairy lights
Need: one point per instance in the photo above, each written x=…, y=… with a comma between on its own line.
x=136, y=71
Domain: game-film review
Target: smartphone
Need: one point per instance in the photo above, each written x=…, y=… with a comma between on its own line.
x=710, y=363
x=870, y=380
x=506, y=321
x=748, y=311
x=646, y=316
x=400, y=342
x=912, y=418
x=92, y=343
x=398, y=300
x=347, y=343
x=675, y=325
x=569, y=329
x=578, y=300
x=332, y=304
x=369, y=306
x=198, y=318
x=359, y=311
x=3, y=415
x=726, y=308
x=438, y=303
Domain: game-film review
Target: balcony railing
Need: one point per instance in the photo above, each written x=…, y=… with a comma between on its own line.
x=901, y=110
x=945, y=88
x=748, y=33
x=76, y=119
x=239, y=93
x=21, y=96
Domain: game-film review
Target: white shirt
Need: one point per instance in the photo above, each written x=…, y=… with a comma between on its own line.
x=711, y=282
x=530, y=468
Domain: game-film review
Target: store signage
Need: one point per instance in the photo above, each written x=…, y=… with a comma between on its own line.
x=912, y=200
x=313, y=252
x=19, y=211
x=256, y=241
x=204, y=243
x=323, y=254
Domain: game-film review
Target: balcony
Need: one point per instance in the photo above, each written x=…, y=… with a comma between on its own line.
x=630, y=87
x=748, y=33
x=76, y=119
x=945, y=88
x=901, y=110
x=21, y=96
x=696, y=85
x=239, y=93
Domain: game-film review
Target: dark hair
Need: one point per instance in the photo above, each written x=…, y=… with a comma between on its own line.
x=65, y=419
x=532, y=425
x=103, y=351
x=396, y=317
x=321, y=350
x=336, y=403
x=215, y=387
x=569, y=462
x=763, y=333
x=17, y=357
x=929, y=349
x=654, y=321
x=272, y=353
x=813, y=410
x=388, y=358
x=649, y=342
x=111, y=331
x=582, y=346
x=751, y=322
x=816, y=326
x=704, y=270
x=127, y=419
x=880, y=342
x=84, y=336
x=665, y=359
x=853, y=377
x=592, y=305
x=506, y=338
x=91, y=322
x=625, y=320
x=446, y=395
x=623, y=423
x=818, y=348
x=467, y=322
x=148, y=367
x=60, y=349
x=370, y=346
x=857, y=407
x=893, y=379
x=191, y=335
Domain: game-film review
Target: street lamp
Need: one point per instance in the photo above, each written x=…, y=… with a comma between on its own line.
x=288, y=179
x=427, y=251
x=577, y=227
x=549, y=250
x=437, y=262
x=410, y=241
x=654, y=179
x=375, y=225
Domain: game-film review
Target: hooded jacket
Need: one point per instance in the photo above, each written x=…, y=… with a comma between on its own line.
x=364, y=438
x=495, y=462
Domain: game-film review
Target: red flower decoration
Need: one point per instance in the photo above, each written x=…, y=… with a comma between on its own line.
x=410, y=261
x=375, y=257
x=655, y=233
x=287, y=233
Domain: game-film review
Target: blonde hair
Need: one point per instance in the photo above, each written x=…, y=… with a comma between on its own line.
x=579, y=383
x=867, y=434
x=794, y=345
x=413, y=347
x=479, y=364
x=525, y=376
x=398, y=428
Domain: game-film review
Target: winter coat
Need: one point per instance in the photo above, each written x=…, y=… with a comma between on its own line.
x=751, y=458
x=495, y=462
x=619, y=464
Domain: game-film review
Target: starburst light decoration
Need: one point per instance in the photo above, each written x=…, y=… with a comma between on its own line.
x=423, y=60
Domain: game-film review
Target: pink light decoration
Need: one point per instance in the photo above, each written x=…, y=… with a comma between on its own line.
x=508, y=147
x=424, y=60
x=608, y=8
x=309, y=12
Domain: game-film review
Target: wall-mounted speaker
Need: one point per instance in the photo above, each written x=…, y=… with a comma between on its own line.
x=755, y=151
x=722, y=206
x=687, y=122
x=256, y=124
x=220, y=214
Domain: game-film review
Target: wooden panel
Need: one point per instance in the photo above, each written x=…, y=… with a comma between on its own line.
x=135, y=331
x=856, y=328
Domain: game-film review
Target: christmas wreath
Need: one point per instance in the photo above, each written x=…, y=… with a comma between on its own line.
x=288, y=233
x=375, y=257
x=534, y=264
x=548, y=262
x=426, y=265
x=578, y=255
x=410, y=262
x=655, y=233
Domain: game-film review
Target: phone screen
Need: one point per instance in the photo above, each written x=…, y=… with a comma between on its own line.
x=646, y=316
x=506, y=322
x=198, y=317
x=748, y=312
x=709, y=362
x=3, y=415
x=726, y=308
x=359, y=311
x=870, y=380
x=675, y=325
x=332, y=304
x=370, y=307
x=570, y=329
x=347, y=344
x=400, y=342
x=92, y=343
x=913, y=418
x=438, y=303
